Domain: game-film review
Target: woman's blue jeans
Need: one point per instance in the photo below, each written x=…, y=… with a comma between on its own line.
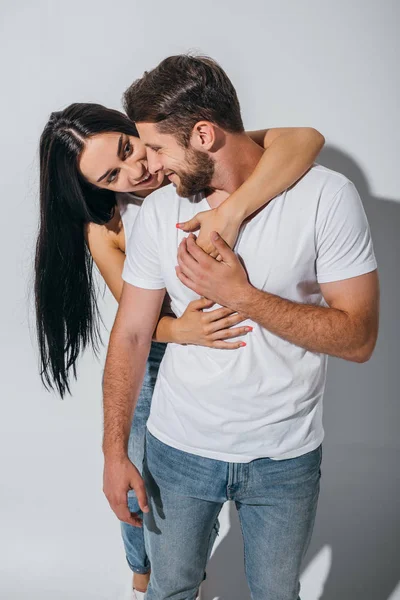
x=133, y=537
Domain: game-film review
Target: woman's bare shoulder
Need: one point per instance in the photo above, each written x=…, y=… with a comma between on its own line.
x=110, y=234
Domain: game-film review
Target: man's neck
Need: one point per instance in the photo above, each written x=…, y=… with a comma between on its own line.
x=234, y=163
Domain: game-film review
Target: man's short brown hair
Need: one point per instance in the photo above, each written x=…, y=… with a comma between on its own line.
x=181, y=91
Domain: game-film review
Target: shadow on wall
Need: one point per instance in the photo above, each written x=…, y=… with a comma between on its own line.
x=358, y=521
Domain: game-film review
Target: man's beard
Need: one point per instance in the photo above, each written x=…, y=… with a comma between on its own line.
x=199, y=174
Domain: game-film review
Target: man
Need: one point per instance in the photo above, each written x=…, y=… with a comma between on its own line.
x=244, y=425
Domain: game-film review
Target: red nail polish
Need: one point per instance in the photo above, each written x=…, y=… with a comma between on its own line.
x=178, y=226
x=243, y=344
x=250, y=328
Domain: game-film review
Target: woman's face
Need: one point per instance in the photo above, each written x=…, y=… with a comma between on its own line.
x=117, y=162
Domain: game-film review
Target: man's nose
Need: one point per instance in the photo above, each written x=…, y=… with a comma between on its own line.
x=154, y=163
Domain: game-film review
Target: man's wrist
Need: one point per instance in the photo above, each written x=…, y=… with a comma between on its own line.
x=115, y=459
x=115, y=453
x=244, y=299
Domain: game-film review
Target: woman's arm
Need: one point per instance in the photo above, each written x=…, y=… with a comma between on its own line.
x=106, y=244
x=289, y=153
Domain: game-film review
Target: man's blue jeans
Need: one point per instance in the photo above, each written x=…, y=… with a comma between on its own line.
x=276, y=502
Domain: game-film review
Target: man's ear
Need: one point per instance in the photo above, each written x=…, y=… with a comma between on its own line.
x=203, y=136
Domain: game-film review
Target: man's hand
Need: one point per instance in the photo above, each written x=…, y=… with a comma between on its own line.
x=120, y=476
x=221, y=281
x=222, y=220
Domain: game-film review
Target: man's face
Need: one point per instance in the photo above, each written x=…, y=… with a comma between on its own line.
x=190, y=170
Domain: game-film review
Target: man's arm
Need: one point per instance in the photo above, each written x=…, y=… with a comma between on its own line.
x=345, y=268
x=128, y=351
x=347, y=328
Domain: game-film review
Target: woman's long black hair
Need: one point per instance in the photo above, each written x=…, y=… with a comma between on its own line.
x=66, y=301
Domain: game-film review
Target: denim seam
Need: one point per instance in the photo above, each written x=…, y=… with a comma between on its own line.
x=246, y=477
x=244, y=544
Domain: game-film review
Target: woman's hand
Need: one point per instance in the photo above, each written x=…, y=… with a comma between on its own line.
x=227, y=224
x=209, y=328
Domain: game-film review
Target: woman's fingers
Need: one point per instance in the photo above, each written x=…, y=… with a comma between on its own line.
x=206, y=247
x=225, y=323
x=227, y=334
x=218, y=313
x=221, y=345
x=213, y=252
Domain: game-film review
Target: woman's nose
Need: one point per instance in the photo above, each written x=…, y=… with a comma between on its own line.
x=135, y=172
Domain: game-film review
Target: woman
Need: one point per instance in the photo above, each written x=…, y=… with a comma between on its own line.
x=93, y=178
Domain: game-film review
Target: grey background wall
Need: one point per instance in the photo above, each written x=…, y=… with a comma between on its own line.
x=332, y=65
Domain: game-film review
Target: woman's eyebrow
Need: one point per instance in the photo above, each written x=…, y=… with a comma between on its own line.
x=103, y=176
x=119, y=150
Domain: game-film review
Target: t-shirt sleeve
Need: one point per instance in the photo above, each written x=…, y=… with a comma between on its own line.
x=142, y=266
x=343, y=238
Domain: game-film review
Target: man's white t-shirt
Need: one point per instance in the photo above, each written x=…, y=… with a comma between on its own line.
x=129, y=206
x=263, y=400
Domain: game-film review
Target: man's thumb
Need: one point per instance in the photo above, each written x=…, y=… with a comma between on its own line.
x=220, y=245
